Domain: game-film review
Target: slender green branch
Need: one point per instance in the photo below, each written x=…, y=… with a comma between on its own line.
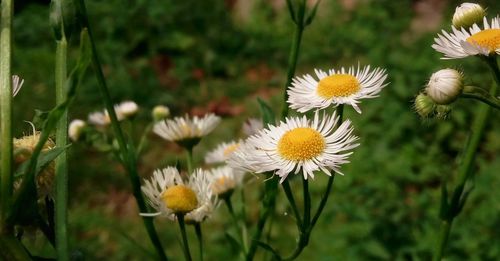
x=189, y=159
x=61, y=167
x=230, y=208
x=128, y=156
x=291, y=200
x=481, y=94
x=199, y=236
x=466, y=164
x=5, y=114
x=185, y=242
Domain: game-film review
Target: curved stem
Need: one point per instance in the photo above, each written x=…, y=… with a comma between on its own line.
x=6, y=114
x=185, y=243
x=199, y=236
x=291, y=199
x=61, y=163
x=466, y=164
x=481, y=94
x=128, y=156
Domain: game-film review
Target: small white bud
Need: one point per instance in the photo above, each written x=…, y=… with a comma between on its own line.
x=126, y=109
x=75, y=129
x=160, y=112
x=468, y=14
x=445, y=86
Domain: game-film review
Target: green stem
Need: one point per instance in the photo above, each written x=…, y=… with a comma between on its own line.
x=230, y=208
x=189, y=159
x=199, y=236
x=466, y=164
x=307, y=204
x=61, y=167
x=185, y=243
x=291, y=200
x=5, y=114
x=128, y=157
x=481, y=94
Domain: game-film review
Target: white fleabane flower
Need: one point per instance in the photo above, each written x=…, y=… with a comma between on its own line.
x=335, y=87
x=17, y=83
x=298, y=145
x=444, y=86
x=224, y=180
x=185, y=129
x=461, y=43
x=126, y=109
x=222, y=152
x=170, y=195
x=468, y=14
x=75, y=129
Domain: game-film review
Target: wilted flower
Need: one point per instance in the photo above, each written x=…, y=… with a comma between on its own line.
x=445, y=86
x=468, y=14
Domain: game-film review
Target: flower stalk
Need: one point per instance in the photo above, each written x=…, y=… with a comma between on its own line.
x=185, y=242
x=482, y=95
x=6, y=114
x=454, y=207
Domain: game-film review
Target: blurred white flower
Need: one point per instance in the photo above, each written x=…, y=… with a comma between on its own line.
x=252, y=126
x=75, y=129
x=126, y=109
x=335, y=87
x=222, y=152
x=224, y=180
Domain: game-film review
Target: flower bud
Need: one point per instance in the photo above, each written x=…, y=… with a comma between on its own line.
x=160, y=112
x=75, y=129
x=126, y=109
x=468, y=14
x=424, y=105
x=445, y=86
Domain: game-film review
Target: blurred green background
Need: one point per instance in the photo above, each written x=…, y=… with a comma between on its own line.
x=198, y=56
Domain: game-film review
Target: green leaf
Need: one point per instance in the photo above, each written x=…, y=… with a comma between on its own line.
x=268, y=116
x=40, y=118
x=312, y=14
x=12, y=249
x=43, y=161
x=291, y=10
x=444, y=209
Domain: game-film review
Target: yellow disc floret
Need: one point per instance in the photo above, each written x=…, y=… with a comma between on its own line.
x=488, y=38
x=301, y=144
x=180, y=199
x=230, y=149
x=338, y=85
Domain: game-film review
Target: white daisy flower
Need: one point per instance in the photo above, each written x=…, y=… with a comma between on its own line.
x=335, y=87
x=252, y=126
x=75, y=129
x=474, y=41
x=184, y=128
x=225, y=179
x=296, y=145
x=170, y=195
x=126, y=109
x=17, y=83
x=222, y=152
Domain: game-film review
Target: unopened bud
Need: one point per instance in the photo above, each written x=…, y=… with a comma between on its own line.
x=424, y=105
x=468, y=14
x=160, y=112
x=445, y=86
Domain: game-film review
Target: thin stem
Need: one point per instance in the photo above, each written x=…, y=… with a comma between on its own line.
x=143, y=140
x=481, y=94
x=199, y=236
x=128, y=157
x=307, y=204
x=291, y=199
x=185, y=243
x=61, y=164
x=230, y=208
x=189, y=159
x=5, y=114
x=466, y=164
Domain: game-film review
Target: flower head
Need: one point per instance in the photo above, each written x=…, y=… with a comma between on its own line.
x=461, y=43
x=335, y=87
x=444, y=86
x=126, y=109
x=170, y=195
x=298, y=145
x=75, y=129
x=224, y=180
x=468, y=14
x=222, y=152
x=186, y=130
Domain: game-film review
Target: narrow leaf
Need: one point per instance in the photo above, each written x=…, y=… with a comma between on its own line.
x=312, y=14
x=268, y=116
x=291, y=10
x=43, y=161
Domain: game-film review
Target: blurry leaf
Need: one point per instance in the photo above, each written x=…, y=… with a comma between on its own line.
x=377, y=250
x=268, y=116
x=312, y=14
x=289, y=4
x=43, y=160
x=276, y=255
x=11, y=249
x=444, y=209
x=235, y=245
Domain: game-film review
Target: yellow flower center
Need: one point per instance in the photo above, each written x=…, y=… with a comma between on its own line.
x=488, y=38
x=301, y=144
x=230, y=149
x=338, y=85
x=222, y=185
x=180, y=199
